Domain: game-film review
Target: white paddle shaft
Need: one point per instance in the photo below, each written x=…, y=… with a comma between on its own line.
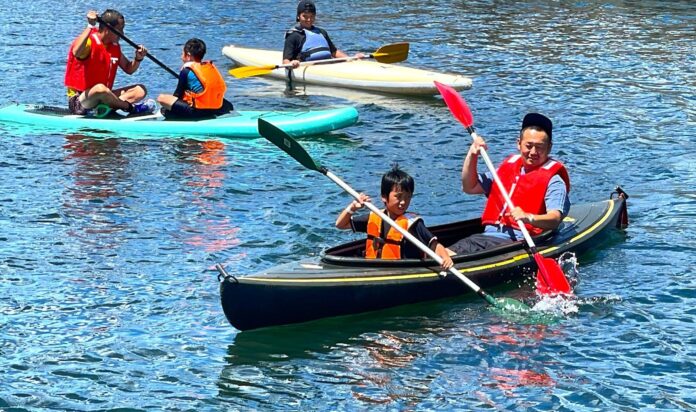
x=504, y=192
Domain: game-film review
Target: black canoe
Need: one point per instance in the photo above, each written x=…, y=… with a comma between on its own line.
x=341, y=282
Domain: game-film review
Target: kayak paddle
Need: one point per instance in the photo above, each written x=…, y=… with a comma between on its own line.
x=132, y=43
x=550, y=276
x=281, y=139
x=390, y=53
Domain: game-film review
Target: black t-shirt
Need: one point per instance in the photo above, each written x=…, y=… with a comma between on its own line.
x=408, y=250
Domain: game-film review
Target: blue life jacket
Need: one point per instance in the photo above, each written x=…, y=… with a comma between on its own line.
x=315, y=47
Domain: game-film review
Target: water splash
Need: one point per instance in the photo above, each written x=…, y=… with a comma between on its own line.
x=561, y=305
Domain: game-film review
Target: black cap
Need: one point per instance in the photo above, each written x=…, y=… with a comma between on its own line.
x=306, y=5
x=539, y=120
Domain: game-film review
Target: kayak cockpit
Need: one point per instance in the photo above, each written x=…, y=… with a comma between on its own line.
x=352, y=253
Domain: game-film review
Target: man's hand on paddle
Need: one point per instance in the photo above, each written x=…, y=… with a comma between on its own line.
x=140, y=53
x=92, y=18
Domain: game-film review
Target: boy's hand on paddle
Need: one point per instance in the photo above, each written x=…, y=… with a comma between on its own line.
x=355, y=205
x=446, y=262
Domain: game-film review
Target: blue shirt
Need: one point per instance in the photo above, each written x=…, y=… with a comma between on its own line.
x=187, y=82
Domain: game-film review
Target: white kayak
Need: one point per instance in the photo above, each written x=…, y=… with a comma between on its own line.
x=356, y=74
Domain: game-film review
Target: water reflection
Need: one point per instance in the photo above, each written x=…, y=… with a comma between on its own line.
x=213, y=229
x=99, y=181
x=518, y=342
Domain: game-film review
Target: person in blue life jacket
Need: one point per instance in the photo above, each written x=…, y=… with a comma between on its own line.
x=383, y=241
x=201, y=88
x=537, y=184
x=307, y=42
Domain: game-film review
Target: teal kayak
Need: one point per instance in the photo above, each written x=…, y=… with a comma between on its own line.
x=241, y=124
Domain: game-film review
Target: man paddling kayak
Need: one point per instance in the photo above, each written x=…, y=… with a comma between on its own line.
x=538, y=185
x=93, y=60
x=305, y=41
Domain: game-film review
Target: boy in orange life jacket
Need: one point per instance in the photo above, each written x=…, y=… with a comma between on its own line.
x=201, y=89
x=537, y=184
x=93, y=60
x=383, y=241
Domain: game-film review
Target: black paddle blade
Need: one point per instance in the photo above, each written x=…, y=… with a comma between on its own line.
x=284, y=141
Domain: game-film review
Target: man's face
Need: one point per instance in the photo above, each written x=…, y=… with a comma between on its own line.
x=110, y=36
x=534, y=147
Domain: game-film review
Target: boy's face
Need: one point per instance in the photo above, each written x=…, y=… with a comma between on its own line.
x=306, y=19
x=397, y=202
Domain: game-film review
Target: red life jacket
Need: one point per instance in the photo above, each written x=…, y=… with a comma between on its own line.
x=389, y=247
x=214, y=86
x=526, y=191
x=99, y=67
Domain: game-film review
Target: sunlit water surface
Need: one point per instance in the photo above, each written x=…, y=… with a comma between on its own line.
x=108, y=294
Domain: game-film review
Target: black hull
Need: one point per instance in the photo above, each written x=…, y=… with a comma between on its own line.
x=342, y=284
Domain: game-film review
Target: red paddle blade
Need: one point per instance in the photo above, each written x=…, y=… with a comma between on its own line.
x=456, y=104
x=550, y=278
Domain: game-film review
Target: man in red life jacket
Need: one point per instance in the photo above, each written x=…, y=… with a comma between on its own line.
x=93, y=60
x=537, y=184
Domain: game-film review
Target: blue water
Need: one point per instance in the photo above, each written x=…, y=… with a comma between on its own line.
x=108, y=297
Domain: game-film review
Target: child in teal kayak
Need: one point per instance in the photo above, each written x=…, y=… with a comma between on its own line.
x=383, y=241
x=201, y=89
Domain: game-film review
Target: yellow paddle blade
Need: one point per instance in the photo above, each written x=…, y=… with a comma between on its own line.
x=391, y=53
x=248, y=71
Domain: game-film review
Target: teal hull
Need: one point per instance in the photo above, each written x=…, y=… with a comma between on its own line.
x=241, y=124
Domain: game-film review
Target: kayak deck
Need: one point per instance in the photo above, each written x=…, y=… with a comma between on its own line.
x=237, y=124
x=358, y=74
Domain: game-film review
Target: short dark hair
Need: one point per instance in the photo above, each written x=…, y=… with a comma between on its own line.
x=112, y=17
x=196, y=48
x=538, y=122
x=306, y=6
x=397, y=178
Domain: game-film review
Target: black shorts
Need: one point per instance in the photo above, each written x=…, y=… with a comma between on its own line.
x=75, y=106
x=181, y=111
x=476, y=243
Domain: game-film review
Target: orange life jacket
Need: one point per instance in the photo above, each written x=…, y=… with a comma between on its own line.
x=389, y=247
x=99, y=68
x=526, y=191
x=214, y=86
